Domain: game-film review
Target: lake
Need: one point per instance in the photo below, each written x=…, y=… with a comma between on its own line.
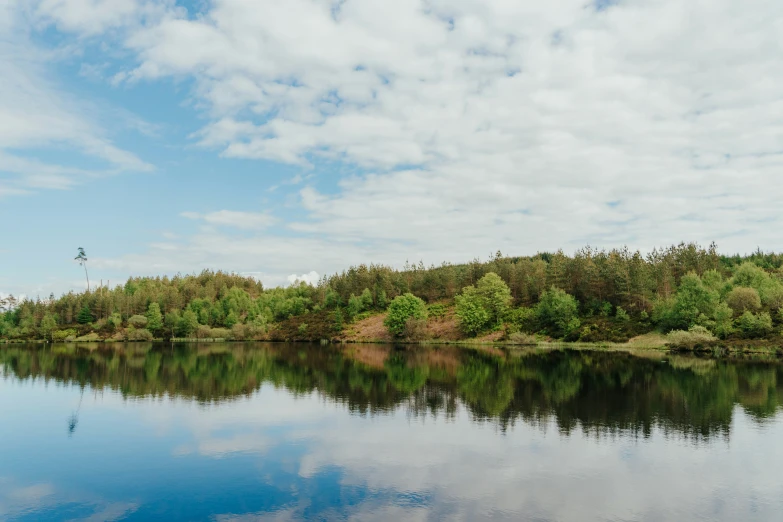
x=277, y=432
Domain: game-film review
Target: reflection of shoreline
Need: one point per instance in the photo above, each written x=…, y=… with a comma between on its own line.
x=592, y=390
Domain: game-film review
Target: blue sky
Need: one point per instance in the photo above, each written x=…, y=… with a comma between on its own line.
x=282, y=139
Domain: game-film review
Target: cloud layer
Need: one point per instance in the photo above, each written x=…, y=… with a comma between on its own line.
x=471, y=126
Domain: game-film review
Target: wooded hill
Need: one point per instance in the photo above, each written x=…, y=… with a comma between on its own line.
x=591, y=295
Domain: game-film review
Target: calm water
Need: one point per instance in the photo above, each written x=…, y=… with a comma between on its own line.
x=297, y=432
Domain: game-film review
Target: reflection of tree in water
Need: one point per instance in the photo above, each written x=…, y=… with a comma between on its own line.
x=73, y=420
x=592, y=391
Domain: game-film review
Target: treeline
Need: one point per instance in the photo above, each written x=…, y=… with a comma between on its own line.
x=683, y=287
x=685, y=395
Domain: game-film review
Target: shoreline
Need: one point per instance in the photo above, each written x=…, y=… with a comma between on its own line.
x=717, y=349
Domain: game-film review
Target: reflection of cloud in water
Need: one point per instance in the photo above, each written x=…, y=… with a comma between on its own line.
x=27, y=501
x=529, y=472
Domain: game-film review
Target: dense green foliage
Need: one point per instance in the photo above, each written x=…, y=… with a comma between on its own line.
x=402, y=309
x=484, y=306
x=589, y=296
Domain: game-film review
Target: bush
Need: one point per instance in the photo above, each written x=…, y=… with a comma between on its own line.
x=302, y=329
x=755, y=325
x=695, y=337
x=521, y=338
x=415, y=329
x=139, y=334
x=114, y=321
x=483, y=306
x=622, y=315
x=437, y=310
x=220, y=333
x=203, y=331
x=137, y=321
x=241, y=332
x=90, y=337
x=62, y=335
x=742, y=299
x=521, y=319
x=558, y=312
x=401, y=309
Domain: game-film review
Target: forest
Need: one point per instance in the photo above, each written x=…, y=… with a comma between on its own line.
x=694, y=295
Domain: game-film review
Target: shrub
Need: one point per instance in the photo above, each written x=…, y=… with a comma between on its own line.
x=742, y=299
x=220, y=333
x=90, y=337
x=522, y=338
x=557, y=311
x=437, y=310
x=755, y=325
x=696, y=336
x=139, y=334
x=114, y=321
x=302, y=329
x=401, y=309
x=521, y=319
x=137, y=321
x=203, y=331
x=240, y=332
x=62, y=335
x=622, y=315
x=415, y=329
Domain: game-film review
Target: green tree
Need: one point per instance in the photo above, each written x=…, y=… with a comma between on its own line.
x=47, y=326
x=115, y=321
x=84, y=316
x=367, y=301
x=558, y=312
x=483, y=306
x=755, y=325
x=742, y=299
x=231, y=319
x=188, y=324
x=402, y=308
x=724, y=322
x=171, y=322
x=81, y=257
x=154, y=318
x=694, y=304
x=473, y=316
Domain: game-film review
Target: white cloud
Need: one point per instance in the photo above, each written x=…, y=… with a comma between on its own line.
x=519, y=126
x=311, y=277
x=521, y=121
x=232, y=218
x=36, y=113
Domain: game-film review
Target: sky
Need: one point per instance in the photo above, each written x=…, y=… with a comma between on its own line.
x=294, y=139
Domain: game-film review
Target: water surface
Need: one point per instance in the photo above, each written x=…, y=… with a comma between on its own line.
x=240, y=432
